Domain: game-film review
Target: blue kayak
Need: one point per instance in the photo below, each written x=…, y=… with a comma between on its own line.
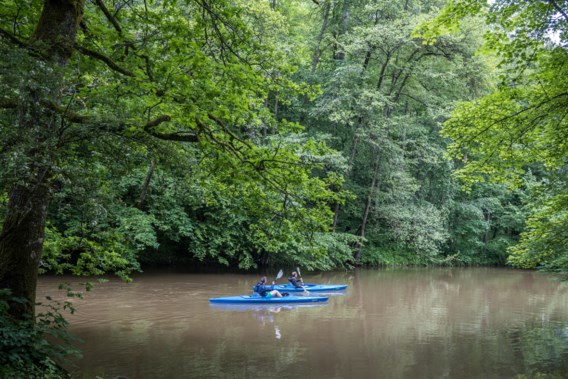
x=310, y=287
x=255, y=298
x=265, y=307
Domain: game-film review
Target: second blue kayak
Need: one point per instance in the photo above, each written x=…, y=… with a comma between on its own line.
x=310, y=287
x=255, y=298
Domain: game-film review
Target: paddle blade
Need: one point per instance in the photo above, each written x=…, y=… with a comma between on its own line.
x=280, y=273
x=298, y=271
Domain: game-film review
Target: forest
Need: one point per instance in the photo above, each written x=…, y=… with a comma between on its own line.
x=242, y=134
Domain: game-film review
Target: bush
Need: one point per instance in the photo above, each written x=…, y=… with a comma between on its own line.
x=25, y=351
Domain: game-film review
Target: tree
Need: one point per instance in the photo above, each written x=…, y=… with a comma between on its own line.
x=522, y=123
x=383, y=99
x=83, y=79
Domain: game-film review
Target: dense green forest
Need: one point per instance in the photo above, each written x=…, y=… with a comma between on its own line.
x=322, y=133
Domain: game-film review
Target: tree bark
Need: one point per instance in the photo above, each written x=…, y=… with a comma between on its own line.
x=57, y=28
x=487, y=217
x=21, y=239
x=367, y=208
x=146, y=184
x=21, y=244
x=383, y=71
x=340, y=54
x=315, y=60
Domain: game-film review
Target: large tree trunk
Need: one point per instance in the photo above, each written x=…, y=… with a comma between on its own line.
x=21, y=239
x=21, y=244
x=57, y=28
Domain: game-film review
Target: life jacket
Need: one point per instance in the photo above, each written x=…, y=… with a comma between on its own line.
x=295, y=282
x=260, y=288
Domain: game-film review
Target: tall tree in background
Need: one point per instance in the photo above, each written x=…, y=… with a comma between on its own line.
x=385, y=94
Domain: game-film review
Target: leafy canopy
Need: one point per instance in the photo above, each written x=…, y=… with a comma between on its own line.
x=522, y=123
x=181, y=82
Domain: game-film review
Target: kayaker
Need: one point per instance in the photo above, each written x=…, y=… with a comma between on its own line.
x=295, y=281
x=266, y=291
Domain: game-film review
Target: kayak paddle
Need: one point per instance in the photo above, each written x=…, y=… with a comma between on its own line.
x=279, y=275
x=302, y=280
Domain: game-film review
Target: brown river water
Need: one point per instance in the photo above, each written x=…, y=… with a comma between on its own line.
x=404, y=323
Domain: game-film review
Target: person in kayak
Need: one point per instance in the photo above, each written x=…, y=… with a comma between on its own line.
x=266, y=291
x=295, y=281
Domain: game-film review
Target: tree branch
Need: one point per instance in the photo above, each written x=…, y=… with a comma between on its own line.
x=85, y=119
x=67, y=114
x=175, y=136
x=109, y=16
x=560, y=10
x=103, y=58
x=12, y=38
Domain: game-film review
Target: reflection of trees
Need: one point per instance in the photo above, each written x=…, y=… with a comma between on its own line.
x=430, y=323
x=434, y=319
x=544, y=348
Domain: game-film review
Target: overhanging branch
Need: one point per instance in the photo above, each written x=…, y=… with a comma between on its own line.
x=175, y=136
x=94, y=54
x=86, y=119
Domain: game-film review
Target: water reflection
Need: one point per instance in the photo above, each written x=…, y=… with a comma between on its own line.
x=423, y=323
x=263, y=307
x=265, y=314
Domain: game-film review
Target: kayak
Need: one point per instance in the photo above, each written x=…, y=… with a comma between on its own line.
x=255, y=298
x=310, y=287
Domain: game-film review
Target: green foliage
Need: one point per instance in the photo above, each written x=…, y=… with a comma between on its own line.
x=393, y=255
x=419, y=226
x=324, y=251
x=383, y=103
x=242, y=221
x=246, y=183
x=514, y=126
x=206, y=210
x=24, y=349
x=87, y=253
x=522, y=123
x=484, y=223
x=543, y=243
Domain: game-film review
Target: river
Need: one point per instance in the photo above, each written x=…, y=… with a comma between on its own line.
x=403, y=323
